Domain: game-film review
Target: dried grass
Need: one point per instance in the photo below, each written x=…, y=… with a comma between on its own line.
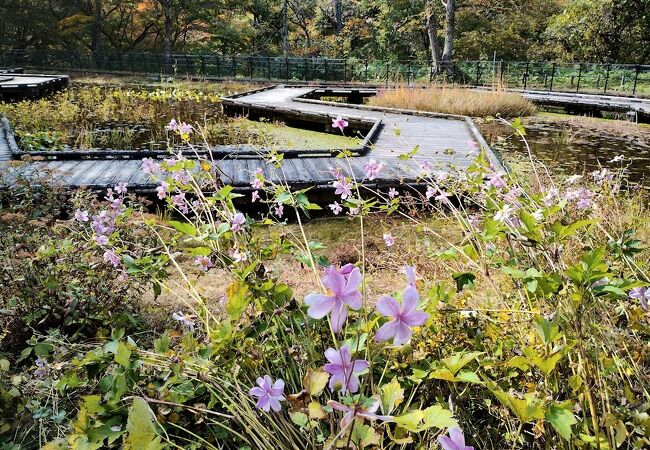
x=456, y=101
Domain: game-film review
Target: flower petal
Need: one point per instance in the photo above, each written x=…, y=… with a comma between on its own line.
x=319, y=305
x=415, y=318
x=388, y=307
x=257, y=392
x=334, y=357
x=347, y=420
x=403, y=334
x=264, y=403
x=386, y=331
x=359, y=365
x=410, y=299
x=447, y=444
x=456, y=435
x=334, y=280
x=339, y=314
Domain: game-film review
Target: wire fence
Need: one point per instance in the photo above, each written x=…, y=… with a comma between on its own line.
x=613, y=79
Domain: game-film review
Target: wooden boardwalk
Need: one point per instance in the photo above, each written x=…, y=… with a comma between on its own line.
x=443, y=141
x=19, y=85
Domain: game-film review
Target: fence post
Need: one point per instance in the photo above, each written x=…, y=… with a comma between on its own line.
x=286, y=68
x=386, y=62
x=408, y=73
x=579, y=77
x=552, y=76
x=478, y=73
x=526, y=75
x=306, y=71
x=345, y=71
x=636, y=78
x=250, y=67
x=268, y=66
x=326, y=70
x=366, y=71
x=234, y=67
x=606, y=78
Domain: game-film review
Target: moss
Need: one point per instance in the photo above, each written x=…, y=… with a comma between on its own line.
x=289, y=137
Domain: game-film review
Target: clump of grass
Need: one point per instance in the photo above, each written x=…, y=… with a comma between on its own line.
x=456, y=101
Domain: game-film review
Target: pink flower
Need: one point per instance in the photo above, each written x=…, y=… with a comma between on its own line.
x=389, y=240
x=443, y=197
x=431, y=192
x=343, y=188
x=409, y=271
x=162, y=190
x=550, y=197
x=343, y=370
x=403, y=316
x=336, y=172
x=503, y=215
x=203, y=263
x=344, y=292
x=100, y=240
x=185, y=320
x=472, y=144
x=179, y=202
x=573, y=179
x=255, y=196
x=149, y=166
x=237, y=221
x=172, y=125
x=121, y=187
x=268, y=393
x=336, y=208
x=455, y=440
x=185, y=128
x=361, y=410
x=279, y=210
x=496, y=179
x=238, y=256
x=81, y=216
x=339, y=123
x=111, y=258
x=392, y=193
x=642, y=294
x=372, y=169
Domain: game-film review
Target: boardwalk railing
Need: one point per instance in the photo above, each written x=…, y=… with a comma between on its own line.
x=613, y=79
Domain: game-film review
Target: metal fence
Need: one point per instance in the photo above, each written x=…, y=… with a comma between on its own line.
x=614, y=79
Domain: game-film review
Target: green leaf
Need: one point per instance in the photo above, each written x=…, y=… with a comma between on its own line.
x=392, y=395
x=418, y=420
x=299, y=418
x=123, y=355
x=464, y=280
x=561, y=419
x=183, y=227
x=459, y=360
x=141, y=431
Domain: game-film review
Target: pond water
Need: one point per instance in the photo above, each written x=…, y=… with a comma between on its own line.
x=574, y=148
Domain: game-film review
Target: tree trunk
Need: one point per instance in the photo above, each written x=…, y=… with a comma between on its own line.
x=338, y=15
x=97, y=28
x=285, y=28
x=432, y=32
x=168, y=31
x=450, y=30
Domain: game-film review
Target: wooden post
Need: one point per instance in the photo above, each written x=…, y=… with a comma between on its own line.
x=250, y=67
x=202, y=58
x=306, y=74
x=579, y=77
x=268, y=66
x=326, y=70
x=478, y=73
x=606, y=78
x=345, y=71
x=453, y=73
x=234, y=67
x=218, y=66
x=636, y=78
x=552, y=76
